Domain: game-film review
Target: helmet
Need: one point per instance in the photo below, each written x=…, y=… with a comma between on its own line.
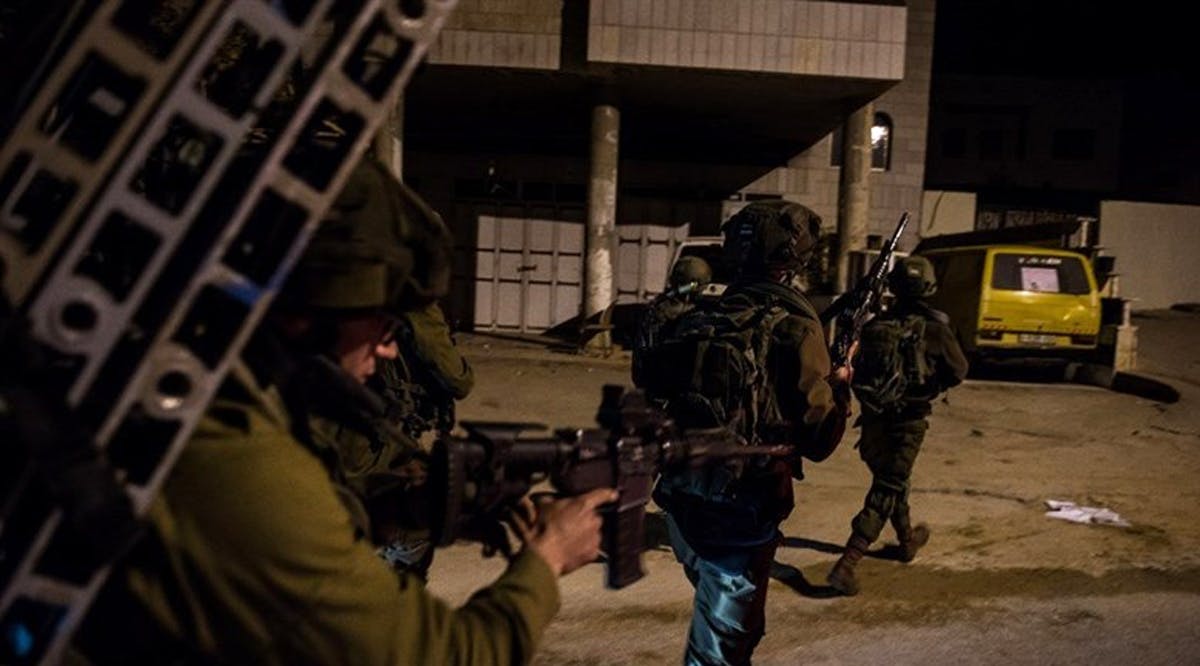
x=379, y=247
x=771, y=235
x=689, y=270
x=912, y=277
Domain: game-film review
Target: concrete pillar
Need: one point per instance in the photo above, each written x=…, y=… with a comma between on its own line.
x=388, y=144
x=1126, y=352
x=854, y=191
x=602, y=219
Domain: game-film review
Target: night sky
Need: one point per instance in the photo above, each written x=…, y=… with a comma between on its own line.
x=1066, y=38
x=1151, y=49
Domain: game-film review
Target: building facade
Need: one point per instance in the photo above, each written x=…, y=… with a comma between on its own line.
x=542, y=129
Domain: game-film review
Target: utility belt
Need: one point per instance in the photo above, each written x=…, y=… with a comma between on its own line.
x=908, y=409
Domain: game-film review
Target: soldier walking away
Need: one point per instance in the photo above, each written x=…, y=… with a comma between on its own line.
x=907, y=356
x=249, y=556
x=753, y=361
x=689, y=277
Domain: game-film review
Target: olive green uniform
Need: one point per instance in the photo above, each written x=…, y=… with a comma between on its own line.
x=422, y=384
x=890, y=442
x=433, y=344
x=252, y=558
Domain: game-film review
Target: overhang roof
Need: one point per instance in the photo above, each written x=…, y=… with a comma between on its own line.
x=667, y=113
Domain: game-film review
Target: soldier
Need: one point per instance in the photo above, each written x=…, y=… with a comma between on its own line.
x=754, y=361
x=422, y=384
x=419, y=387
x=908, y=356
x=688, y=278
x=250, y=556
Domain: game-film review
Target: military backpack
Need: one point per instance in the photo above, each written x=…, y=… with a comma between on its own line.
x=890, y=365
x=710, y=367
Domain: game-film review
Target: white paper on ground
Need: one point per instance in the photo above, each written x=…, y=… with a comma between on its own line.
x=1088, y=515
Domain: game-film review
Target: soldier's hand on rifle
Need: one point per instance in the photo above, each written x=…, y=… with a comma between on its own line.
x=566, y=532
x=845, y=373
x=841, y=378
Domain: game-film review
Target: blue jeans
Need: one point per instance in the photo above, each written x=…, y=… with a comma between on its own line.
x=728, y=616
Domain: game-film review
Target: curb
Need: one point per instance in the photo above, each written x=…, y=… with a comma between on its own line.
x=1143, y=386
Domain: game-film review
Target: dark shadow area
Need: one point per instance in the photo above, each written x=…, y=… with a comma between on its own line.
x=812, y=544
x=887, y=552
x=624, y=319
x=547, y=342
x=1034, y=371
x=794, y=578
x=1056, y=371
x=1144, y=387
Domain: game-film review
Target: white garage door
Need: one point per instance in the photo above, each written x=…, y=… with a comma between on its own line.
x=529, y=272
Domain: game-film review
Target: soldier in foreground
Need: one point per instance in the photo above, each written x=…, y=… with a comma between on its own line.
x=688, y=278
x=251, y=556
x=908, y=356
x=755, y=361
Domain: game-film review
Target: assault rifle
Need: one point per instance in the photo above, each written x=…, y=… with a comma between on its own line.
x=479, y=478
x=855, y=307
x=157, y=183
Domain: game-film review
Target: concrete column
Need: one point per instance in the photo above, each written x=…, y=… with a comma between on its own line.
x=1126, y=352
x=602, y=218
x=854, y=191
x=388, y=144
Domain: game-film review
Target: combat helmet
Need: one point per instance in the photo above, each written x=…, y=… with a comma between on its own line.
x=690, y=270
x=912, y=277
x=770, y=235
x=379, y=247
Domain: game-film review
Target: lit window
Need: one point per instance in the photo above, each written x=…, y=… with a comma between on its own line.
x=881, y=144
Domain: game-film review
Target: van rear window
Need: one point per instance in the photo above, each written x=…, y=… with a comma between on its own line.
x=1039, y=272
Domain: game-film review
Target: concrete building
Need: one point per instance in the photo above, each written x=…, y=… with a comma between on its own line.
x=545, y=130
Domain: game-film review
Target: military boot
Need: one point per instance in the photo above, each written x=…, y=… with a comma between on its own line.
x=841, y=577
x=911, y=538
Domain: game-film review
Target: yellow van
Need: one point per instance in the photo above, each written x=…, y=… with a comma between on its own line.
x=1014, y=300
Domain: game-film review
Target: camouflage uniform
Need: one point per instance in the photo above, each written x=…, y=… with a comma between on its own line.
x=890, y=441
x=723, y=522
x=250, y=556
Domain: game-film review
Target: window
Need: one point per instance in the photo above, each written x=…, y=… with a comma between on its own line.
x=1039, y=273
x=881, y=144
x=1074, y=145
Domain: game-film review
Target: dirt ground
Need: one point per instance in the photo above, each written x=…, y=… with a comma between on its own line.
x=999, y=583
